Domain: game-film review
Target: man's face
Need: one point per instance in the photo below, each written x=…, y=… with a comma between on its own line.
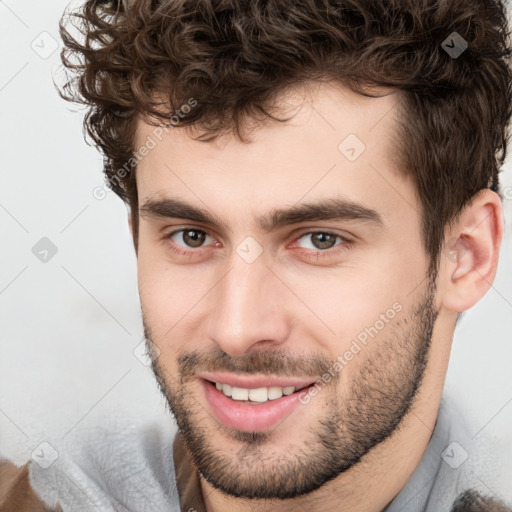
x=254, y=298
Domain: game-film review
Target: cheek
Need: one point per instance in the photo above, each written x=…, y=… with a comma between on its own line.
x=158, y=291
x=351, y=300
x=164, y=299
x=170, y=297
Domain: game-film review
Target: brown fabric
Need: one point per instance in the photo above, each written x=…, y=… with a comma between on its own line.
x=16, y=494
x=187, y=477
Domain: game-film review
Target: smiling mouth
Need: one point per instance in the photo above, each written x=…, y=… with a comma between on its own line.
x=255, y=396
x=254, y=409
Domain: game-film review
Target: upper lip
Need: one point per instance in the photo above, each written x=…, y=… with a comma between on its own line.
x=255, y=381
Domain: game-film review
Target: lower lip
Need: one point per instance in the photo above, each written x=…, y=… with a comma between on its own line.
x=250, y=418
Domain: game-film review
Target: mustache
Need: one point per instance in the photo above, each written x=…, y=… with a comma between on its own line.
x=261, y=362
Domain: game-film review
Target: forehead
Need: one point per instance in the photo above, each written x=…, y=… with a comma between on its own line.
x=311, y=104
x=335, y=141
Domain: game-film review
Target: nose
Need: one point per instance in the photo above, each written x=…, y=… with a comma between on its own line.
x=249, y=308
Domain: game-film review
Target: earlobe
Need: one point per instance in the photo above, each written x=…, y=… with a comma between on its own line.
x=472, y=252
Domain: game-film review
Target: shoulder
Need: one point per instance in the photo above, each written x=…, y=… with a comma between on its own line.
x=484, y=469
x=113, y=468
x=456, y=466
x=469, y=461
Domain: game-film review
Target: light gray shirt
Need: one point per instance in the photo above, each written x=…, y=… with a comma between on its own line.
x=129, y=468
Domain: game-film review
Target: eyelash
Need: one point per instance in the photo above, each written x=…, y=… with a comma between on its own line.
x=345, y=244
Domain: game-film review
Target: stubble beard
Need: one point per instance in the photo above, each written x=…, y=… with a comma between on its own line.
x=354, y=421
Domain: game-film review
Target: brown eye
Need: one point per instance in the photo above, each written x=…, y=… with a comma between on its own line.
x=321, y=240
x=188, y=238
x=193, y=237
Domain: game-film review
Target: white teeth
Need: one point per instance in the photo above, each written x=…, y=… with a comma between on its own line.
x=226, y=389
x=258, y=395
x=239, y=393
x=275, y=392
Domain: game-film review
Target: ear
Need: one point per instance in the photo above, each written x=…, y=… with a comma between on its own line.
x=470, y=253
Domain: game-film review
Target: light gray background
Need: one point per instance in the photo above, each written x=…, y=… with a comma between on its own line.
x=70, y=326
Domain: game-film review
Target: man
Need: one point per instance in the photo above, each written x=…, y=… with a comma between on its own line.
x=313, y=193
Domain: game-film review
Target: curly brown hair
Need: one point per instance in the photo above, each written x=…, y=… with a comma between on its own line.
x=134, y=59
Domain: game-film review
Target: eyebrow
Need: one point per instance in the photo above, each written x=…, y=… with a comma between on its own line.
x=328, y=209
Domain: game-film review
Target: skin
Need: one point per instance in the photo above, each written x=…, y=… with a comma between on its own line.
x=292, y=305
